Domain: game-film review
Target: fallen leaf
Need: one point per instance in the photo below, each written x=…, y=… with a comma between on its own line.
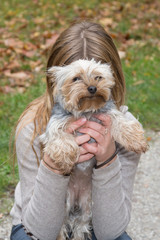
x=138, y=82
x=35, y=35
x=29, y=46
x=2, y=50
x=34, y=64
x=47, y=34
x=13, y=42
x=17, y=82
x=114, y=35
x=105, y=12
x=6, y=89
x=38, y=68
x=38, y=20
x=106, y=21
x=149, y=139
x=21, y=89
x=49, y=42
x=18, y=75
x=122, y=54
x=13, y=65
x=28, y=54
x=24, y=25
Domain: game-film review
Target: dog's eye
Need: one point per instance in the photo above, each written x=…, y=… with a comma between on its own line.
x=98, y=78
x=76, y=79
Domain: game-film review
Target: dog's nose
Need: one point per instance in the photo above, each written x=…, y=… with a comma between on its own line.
x=92, y=89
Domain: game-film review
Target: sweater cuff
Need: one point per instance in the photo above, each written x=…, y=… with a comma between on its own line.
x=51, y=177
x=103, y=175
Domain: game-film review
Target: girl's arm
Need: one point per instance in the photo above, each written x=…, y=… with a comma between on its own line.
x=42, y=191
x=112, y=189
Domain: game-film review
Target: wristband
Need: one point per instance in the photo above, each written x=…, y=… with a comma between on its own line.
x=50, y=166
x=54, y=168
x=108, y=160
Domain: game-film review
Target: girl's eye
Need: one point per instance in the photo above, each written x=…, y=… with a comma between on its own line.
x=76, y=79
x=98, y=78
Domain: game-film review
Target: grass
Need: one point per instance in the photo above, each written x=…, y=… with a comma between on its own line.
x=143, y=85
x=11, y=109
x=134, y=22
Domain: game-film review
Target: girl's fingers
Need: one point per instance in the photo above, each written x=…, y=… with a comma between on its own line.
x=82, y=151
x=82, y=139
x=106, y=119
x=75, y=125
x=85, y=157
x=99, y=137
x=91, y=147
x=95, y=126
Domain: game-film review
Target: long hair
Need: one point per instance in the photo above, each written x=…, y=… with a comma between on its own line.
x=84, y=40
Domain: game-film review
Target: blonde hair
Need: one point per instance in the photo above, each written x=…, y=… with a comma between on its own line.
x=83, y=40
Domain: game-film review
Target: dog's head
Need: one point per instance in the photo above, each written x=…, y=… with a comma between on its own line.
x=82, y=86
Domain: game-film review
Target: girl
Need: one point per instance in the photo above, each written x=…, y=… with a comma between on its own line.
x=39, y=207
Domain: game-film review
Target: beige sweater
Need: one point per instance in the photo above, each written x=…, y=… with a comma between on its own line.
x=40, y=193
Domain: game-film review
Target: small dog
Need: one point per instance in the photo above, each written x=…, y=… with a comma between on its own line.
x=83, y=89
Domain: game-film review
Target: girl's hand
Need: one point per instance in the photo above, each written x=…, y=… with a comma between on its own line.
x=80, y=140
x=104, y=146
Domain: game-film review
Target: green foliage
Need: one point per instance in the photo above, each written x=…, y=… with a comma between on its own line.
x=12, y=105
x=143, y=84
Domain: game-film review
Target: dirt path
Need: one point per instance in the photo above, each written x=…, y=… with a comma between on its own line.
x=145, y=222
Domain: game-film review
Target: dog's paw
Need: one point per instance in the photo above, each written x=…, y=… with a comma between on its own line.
x=64, y=151
x=133, y=138
x=137, y=142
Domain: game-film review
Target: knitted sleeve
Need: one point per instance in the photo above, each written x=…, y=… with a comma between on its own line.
x=112, y=189
x=42, y=191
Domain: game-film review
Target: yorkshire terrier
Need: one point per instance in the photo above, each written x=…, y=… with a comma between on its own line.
x=83, y=89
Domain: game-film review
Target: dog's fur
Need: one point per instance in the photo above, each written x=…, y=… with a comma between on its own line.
x=82, y=89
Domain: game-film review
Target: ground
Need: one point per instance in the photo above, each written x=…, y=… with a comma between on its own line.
x=145, y=219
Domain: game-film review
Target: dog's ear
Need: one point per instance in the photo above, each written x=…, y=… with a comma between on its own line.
x=53, y=72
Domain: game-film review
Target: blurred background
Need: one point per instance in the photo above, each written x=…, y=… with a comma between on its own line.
x=27, y=31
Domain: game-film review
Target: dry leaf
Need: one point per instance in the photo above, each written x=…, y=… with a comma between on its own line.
x=35, y=35
x=13, y=65
x=34, y=64
x=38, y=68
x=29, y=46
x=21, y=89
x=24, y=25
x=6, y=89
x=122, y=54
x=12, y=42
x=105, y=12
x=18, y=75
x=149, y=139
x=29, y=54
x=17, y=82
x=49, y=42
x=106, y=21
x=138, y=82
x=38, y=20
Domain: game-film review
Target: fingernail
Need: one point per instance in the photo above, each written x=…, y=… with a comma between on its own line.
x=80, y=129
x=83, y=120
